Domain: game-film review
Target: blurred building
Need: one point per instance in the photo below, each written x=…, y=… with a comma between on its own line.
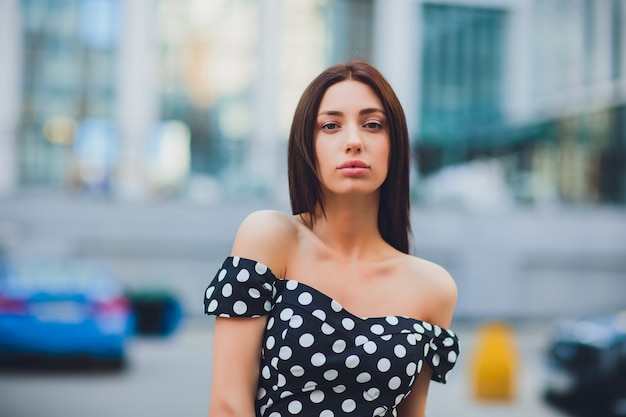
x=147, y=98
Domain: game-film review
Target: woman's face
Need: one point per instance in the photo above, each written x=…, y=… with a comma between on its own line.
x=351, y=139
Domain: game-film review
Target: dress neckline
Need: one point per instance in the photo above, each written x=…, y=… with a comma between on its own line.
x=339, y=305
x=425, y=324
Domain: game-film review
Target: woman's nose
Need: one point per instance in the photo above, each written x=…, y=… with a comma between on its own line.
x=353, y=147
x=353, y=142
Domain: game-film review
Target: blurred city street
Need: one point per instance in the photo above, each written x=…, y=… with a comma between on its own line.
x=177, y=245
x=172, y=377
x=137, y=135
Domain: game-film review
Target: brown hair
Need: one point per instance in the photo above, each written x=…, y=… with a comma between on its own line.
x=304, y=183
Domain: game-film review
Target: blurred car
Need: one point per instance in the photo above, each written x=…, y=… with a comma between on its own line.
x=157, y=311
x=62, y=310
x=587, y=366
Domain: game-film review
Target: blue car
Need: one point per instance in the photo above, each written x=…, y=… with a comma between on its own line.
x=62, y=310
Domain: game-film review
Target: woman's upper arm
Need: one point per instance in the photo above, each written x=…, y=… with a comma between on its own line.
x=235, y=372
x=415, y=404
x=237, y=342
x=443, y=292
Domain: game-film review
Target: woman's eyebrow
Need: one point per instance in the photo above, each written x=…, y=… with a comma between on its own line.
x=362, y=112
x=330, y=113
x=371, y=110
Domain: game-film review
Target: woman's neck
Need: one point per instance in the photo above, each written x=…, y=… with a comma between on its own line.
x=349, y=227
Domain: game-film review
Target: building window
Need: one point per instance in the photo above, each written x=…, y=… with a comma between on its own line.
x=69, y=75
x=350, y=23
x=462, y=75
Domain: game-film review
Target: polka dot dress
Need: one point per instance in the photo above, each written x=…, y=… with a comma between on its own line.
x=318, y=359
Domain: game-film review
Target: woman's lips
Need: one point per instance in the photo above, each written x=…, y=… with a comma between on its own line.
x=353, y=167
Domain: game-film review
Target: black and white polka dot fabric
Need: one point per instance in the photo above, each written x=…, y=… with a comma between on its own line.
x=318, y=359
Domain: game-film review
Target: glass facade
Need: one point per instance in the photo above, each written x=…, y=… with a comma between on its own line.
x=207, y=67
x=228, y=74
x=69, y=77
x=579, y=150
x=618, y=32
x=351, y=26
x=226, y=54
x=462, y=76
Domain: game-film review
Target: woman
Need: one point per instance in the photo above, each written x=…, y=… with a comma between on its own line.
x=333, y=316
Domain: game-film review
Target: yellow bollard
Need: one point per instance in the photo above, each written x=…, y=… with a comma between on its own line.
x=494, y=367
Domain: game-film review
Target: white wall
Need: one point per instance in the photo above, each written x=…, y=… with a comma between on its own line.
x=10, y=86
x=137, y=93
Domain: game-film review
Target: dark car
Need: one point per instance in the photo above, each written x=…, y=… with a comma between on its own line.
x=62, y=311
x=587, y=366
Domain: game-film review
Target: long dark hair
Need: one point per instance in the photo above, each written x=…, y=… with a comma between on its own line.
x=304, y=183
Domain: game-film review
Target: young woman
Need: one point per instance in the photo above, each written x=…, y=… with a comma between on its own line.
x=324, y=312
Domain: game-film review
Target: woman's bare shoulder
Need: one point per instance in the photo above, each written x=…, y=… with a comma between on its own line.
x=430, y=278
x=266, y=236
x=433, y=272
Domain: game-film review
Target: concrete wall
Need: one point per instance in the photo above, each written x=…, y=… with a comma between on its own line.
x=515, y=264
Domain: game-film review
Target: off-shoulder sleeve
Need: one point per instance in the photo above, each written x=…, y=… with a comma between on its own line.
x=241, y=288
x=443, y=353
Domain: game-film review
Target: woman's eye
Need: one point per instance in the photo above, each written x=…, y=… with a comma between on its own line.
x=373, y=125
x=330, y=126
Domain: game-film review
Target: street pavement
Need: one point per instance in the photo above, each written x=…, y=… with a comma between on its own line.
x=171, y=377
x=456, y=398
